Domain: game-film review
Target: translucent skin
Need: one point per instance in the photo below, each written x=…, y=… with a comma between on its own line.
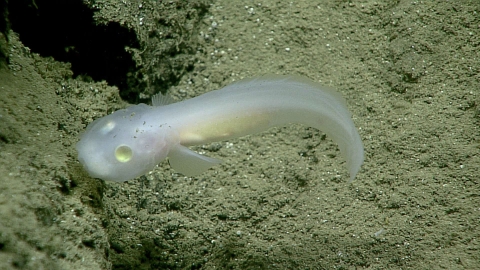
x=131, y=142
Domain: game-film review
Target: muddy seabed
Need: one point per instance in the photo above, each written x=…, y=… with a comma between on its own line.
x=281, y=200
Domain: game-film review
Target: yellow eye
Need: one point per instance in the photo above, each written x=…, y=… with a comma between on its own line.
x=123, y=153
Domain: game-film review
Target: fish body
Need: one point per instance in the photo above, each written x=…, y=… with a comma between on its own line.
x=132, y=141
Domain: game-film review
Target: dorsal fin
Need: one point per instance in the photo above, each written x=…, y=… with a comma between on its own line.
x=162, y=100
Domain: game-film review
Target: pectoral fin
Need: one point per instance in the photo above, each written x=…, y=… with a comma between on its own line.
x=188, y=162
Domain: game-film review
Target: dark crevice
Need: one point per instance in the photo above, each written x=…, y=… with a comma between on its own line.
x=4, y=28
x=66, y=31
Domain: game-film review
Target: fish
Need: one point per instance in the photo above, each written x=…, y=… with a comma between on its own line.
x=131, y=142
